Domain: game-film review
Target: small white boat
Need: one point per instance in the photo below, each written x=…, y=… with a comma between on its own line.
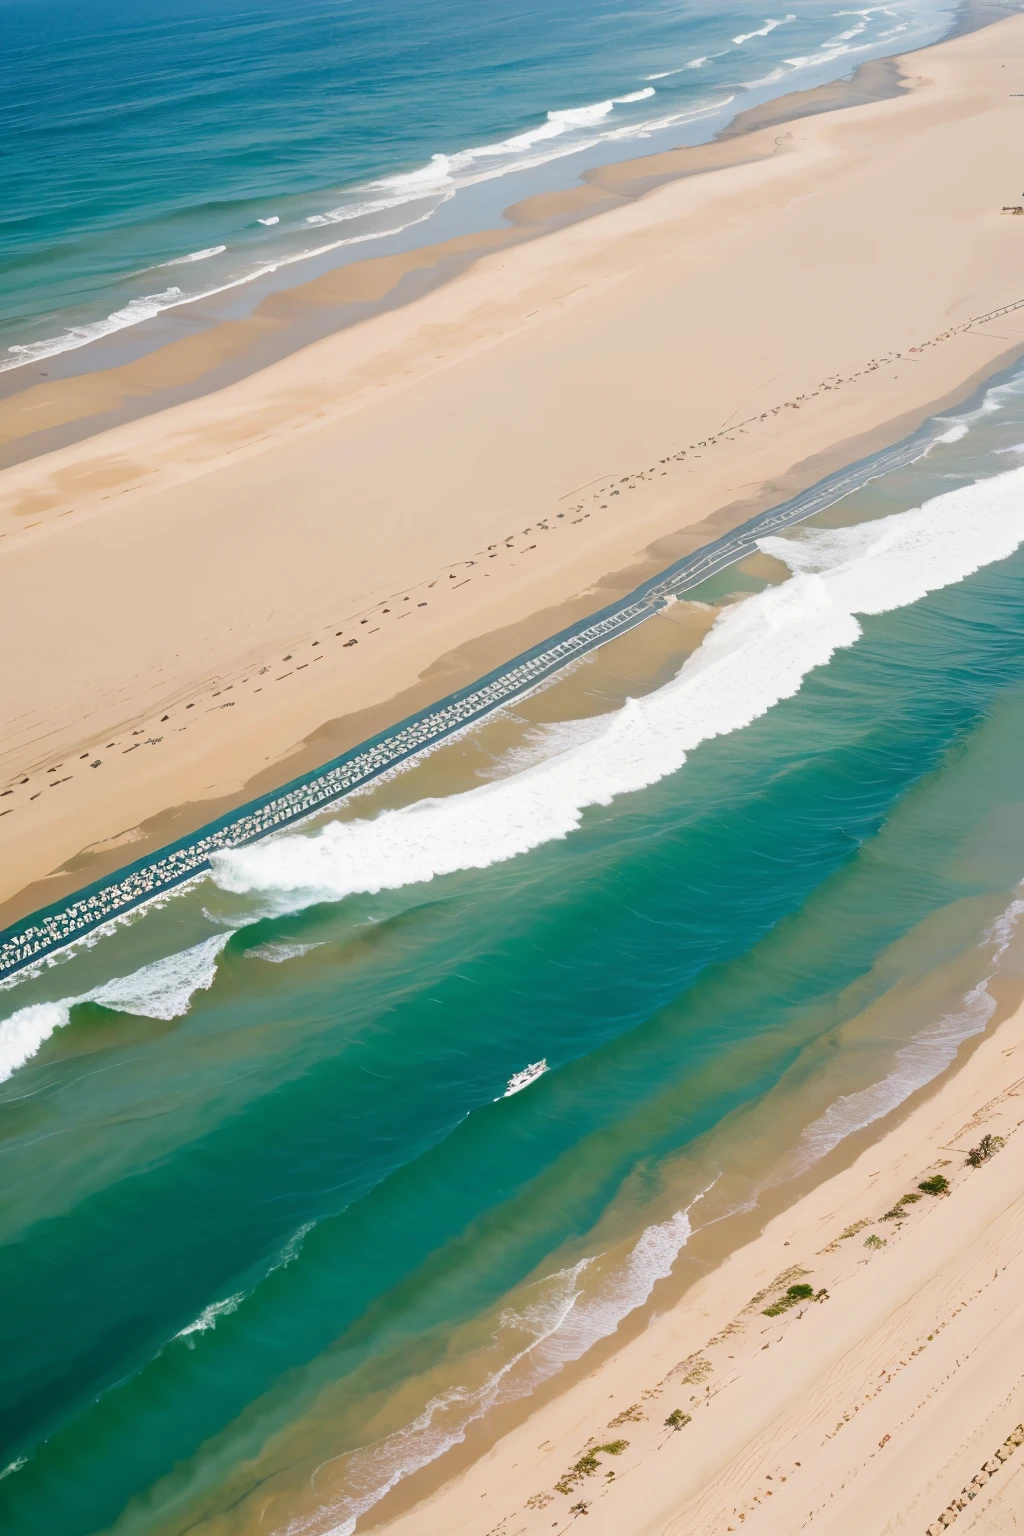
x=523, y=1079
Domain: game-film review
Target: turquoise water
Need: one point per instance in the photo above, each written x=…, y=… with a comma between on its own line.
x=265, y=1202
x=167, y=152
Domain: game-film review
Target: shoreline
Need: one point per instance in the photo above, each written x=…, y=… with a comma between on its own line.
x=48, y=932
x=174, y=371
x=189, y=471
x=286, y=319
x=518, y=1453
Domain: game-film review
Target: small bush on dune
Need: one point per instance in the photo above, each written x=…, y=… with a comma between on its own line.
x=676, y=1419
x=874, y=1241
x=938, y=1184
x=898, y=1212
x=795, y=1294
x=987, y=1147
x=588, y=1465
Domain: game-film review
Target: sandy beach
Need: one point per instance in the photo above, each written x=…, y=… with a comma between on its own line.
x=614, y=1113
x=891, y=1396
x=214, y=593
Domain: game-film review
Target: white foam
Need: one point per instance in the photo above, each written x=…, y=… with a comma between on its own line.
x=181, y=261
x=769, y=26
x=757, y=653
x=292, y=1248
x=25, y=1031
x=208, y=1318
x=565, y=1315
x=429, y=186
x=652, y=125
x=277, y=953
x=993, y=400
x=1001, y=933
x=417, y=192
x=162, y=990
x=930, y=1052
x=145, y=308
x=828, y=55
x=437, y=173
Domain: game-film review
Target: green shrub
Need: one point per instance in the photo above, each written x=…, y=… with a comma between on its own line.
x=874, y=1241
x=676, y=1419
x=588, y=1465
x=987, y=1147
x=897, y=1213
x=938, y=1184
x=795, y=1294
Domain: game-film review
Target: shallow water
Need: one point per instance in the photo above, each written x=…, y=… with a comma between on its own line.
x=185, y=150
x=274, y=1234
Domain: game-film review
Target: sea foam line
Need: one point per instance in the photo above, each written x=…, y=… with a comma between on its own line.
x=580, y=127
x=562, y=1319
x=757, y=653
x=440, y=178
x=917, y=1063
x=769, y=26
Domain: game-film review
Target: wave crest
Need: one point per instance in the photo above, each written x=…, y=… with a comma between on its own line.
x=756, y=654
x=161, y=990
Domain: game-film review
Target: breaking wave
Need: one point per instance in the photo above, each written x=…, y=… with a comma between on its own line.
x=757, y=653
x=769, y=26
x=162, y=990
x=207, y=1319
x=421, y=191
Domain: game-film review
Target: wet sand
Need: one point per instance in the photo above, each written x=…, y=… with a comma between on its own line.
x=358, y=528
x=891, y=1396
x=179, y=357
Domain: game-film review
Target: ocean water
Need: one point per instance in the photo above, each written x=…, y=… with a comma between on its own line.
x=274, y=1233
x=164, y=153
